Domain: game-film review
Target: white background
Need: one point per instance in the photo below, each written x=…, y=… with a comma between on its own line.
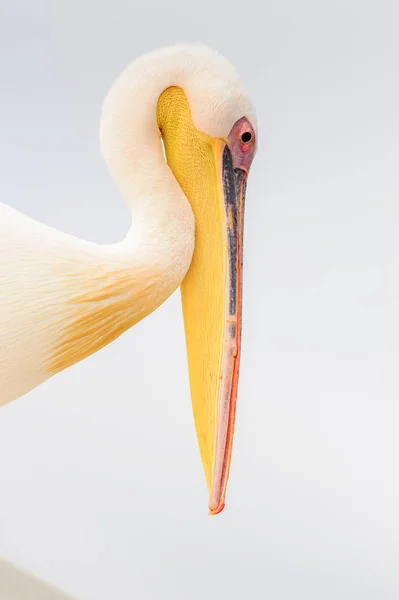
x=102, y=490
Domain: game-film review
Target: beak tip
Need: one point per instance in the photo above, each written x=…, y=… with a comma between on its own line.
x=217, y=510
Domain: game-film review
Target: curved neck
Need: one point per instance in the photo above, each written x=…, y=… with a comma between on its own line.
x=130, y=138
x=162, y=229
x=162, y=219
x=131, y=142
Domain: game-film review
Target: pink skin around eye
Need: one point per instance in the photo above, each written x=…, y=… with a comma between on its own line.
x=242, y=144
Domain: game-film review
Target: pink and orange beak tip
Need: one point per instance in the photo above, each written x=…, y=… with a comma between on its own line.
x=217, y=510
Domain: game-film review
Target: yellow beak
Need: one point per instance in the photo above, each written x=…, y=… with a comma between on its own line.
x=211, y=290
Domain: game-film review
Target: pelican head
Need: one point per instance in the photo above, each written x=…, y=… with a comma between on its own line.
x=191, y=99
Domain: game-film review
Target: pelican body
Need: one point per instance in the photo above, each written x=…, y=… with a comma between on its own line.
x=63, y=298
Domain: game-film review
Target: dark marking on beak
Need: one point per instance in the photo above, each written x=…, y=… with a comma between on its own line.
x=230, y=201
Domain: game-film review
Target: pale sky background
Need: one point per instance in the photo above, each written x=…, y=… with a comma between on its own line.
x=102, y=491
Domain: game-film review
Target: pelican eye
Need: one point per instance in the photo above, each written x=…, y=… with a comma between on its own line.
x=246, y=137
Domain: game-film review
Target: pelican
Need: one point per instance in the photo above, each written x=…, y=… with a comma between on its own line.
x=178, y=134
